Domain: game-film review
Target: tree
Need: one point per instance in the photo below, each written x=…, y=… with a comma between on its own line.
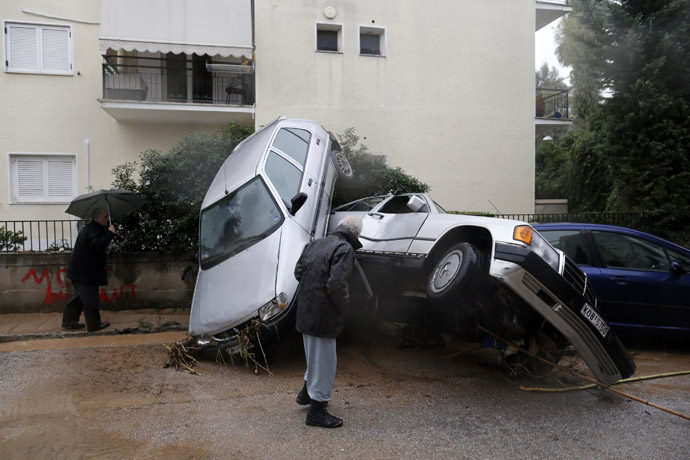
x=636, y=54
x=372, y=176
x=173, y=186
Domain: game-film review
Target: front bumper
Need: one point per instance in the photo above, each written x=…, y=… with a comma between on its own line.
x=568, y=305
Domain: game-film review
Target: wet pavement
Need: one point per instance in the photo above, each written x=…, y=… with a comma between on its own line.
x=106, y=396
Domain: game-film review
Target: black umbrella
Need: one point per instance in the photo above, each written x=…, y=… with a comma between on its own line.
x=118, y=203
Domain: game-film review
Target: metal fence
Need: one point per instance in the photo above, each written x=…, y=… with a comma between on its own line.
x=38, y=235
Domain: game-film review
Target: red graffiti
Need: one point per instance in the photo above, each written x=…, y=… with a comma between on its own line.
x=62, y=295
x=115, y=296
x=45, y=275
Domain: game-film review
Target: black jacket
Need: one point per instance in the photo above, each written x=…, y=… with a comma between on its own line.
x=324, y=270
x=88, y=263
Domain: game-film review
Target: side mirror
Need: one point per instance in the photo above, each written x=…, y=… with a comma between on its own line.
x=297, y=202
x=677, y=269
x=415, y=203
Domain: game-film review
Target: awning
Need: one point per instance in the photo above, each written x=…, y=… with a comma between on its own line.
x=213, y=27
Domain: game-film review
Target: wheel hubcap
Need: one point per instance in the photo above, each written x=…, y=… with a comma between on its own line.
x=447, y=270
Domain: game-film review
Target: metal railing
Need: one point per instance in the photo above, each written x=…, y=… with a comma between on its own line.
x=557, y=2
x=552, y=103
x=38, y=235
x=180, y=80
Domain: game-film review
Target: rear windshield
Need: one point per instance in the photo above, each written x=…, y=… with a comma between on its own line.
x=236, y=222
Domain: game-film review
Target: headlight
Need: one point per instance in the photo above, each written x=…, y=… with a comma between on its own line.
x=538, y=244
x=273, y=307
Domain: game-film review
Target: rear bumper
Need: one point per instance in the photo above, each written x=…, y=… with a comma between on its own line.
x=564, y=305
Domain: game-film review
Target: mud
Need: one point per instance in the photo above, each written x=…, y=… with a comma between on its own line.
x=109, y=397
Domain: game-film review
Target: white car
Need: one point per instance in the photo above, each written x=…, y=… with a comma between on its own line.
x=500, y=274
x=269, y=199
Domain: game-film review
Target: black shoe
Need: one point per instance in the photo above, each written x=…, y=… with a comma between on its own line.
x=319, y=416
x=103, y=325
x=303, y=396
x=72, y=327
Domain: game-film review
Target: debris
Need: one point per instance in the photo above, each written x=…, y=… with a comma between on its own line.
x=593, y=385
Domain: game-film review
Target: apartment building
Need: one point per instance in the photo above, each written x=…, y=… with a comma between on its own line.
x=443, y=89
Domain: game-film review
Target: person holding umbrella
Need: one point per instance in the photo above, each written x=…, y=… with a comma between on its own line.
x=87, y=271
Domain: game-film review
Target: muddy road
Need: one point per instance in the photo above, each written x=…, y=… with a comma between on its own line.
x=109, y=397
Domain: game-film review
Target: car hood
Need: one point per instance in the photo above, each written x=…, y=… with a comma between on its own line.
x=231, y=292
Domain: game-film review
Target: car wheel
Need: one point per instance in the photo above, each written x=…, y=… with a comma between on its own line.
x=342, y=166
x=458, y=267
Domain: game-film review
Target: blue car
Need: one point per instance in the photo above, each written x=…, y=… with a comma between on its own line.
x=642, y=282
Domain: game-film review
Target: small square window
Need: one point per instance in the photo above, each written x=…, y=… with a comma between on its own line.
x=329, y=37
x=372, y=41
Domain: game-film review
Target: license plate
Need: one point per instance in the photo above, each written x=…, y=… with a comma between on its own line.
x=596, y=320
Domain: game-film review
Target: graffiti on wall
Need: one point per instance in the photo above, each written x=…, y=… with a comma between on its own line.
x=61, y=295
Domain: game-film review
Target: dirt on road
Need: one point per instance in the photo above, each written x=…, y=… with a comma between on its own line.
x=109, y=397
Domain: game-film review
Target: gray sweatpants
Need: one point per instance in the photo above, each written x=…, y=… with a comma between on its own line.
x=321, y=363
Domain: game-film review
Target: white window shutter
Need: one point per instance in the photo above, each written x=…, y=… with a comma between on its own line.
x=60, y=179
x=55, y=50
x=23, y=49
x=29, y=179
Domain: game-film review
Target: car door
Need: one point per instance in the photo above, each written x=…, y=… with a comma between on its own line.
x=393, y=224
x=641, y=288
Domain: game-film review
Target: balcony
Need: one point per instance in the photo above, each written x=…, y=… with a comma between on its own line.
x=177, y=88
x=550, y=10
x=552, y=108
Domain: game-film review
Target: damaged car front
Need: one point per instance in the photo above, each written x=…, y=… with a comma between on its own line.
x=499, y=274
x=271, y=197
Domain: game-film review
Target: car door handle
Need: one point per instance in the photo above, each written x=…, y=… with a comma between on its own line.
x=619, y=279
x=376, y=214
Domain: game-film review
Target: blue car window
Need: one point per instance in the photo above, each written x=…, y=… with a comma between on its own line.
x=570, y=242
x=625, y=251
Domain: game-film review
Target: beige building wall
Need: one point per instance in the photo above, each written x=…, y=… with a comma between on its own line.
x=57, y=114
x=451, y=103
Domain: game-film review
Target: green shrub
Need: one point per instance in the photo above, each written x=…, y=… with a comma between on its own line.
x=11, y=241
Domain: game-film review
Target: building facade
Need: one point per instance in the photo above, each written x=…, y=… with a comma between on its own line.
x=443, y=89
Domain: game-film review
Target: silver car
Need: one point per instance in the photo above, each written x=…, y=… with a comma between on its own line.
x=498, y=273
x=269, y=199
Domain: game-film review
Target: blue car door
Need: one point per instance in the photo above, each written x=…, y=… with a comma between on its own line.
x=637, y=286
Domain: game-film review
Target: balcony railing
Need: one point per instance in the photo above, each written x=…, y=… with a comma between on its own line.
x=38, y=235
x=552, y=103
x=176, y=79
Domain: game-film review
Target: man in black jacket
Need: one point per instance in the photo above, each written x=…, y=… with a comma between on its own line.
x=324, y=270
x=87, y=270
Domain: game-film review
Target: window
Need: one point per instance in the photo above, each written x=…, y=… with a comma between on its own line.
x=329, y=37
x=624, y=251
x=236, y=222
x=42, y=178
x=372, y=41
x=284, y=176
x=38, y=48
x=293, y=142
x=569, y=241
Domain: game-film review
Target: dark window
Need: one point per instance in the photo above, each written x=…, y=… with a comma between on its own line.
x=327, y=40
x=569, y=241
x=370, y=44
x=624, y=251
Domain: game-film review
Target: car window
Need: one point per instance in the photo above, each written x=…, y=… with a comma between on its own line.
x=571, y=242
x=365, y=204
x=398, y=205
x=682, y=259
x=284, y=176
x=293, y=142
x=625, y=251
x=236, y=222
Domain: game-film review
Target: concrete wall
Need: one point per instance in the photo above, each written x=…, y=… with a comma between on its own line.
x=452, y=101
x=36, y=282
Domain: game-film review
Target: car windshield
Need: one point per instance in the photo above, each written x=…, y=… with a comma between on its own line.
x=236, y=222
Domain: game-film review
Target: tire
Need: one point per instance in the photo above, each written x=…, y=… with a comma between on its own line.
x=459, y=267
x=342, y=166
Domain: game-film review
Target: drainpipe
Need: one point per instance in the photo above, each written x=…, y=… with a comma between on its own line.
x=88, y=171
